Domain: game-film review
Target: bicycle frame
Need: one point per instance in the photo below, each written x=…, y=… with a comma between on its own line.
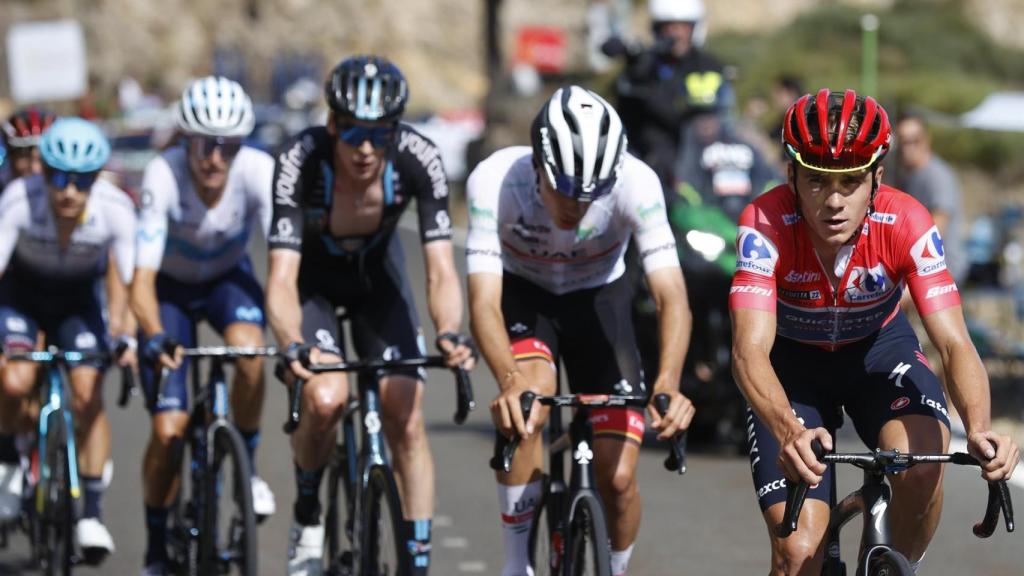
x=871, y=500
x=55, y=400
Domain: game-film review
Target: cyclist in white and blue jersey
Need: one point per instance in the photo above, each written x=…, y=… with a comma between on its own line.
x=201, y=201
x=57, y=229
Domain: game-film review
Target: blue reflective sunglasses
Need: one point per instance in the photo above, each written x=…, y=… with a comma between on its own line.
x=354, y=135
x=60, y=179
x=571, y=187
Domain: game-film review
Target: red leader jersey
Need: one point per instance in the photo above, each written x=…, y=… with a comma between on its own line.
x=778, y=270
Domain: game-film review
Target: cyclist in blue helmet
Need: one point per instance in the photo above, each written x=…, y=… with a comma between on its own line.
x=53, y=262
x=339, y=191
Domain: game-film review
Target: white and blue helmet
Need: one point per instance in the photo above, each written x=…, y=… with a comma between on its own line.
x=216, y=106
x=74, y=145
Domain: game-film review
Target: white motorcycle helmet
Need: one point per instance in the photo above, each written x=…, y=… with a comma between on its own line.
x=681, y=11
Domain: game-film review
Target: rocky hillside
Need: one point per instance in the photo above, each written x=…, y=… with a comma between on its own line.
x=438, y=42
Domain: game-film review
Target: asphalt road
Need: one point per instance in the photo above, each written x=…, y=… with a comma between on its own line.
x=706, y=522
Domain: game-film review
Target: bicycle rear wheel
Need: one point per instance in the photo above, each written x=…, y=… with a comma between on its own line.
x=56, y=520
x=546, y=537
x=891, y=563
x=590, y=552
x=382, y=544
x=229, y=524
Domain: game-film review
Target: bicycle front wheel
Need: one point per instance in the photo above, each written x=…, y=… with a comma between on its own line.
x=229, y=523
x=891, y=563
x=56, y=520
x=381, y=543
x=589, y=551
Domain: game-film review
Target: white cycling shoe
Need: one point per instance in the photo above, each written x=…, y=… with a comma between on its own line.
x=263, y=503
x=93, y=538
x=306, y=550
x=10, y=491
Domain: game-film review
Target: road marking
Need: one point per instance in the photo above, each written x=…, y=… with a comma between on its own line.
x=454, y=542
x=474, y=566
x=442, y=521
x=957, y=444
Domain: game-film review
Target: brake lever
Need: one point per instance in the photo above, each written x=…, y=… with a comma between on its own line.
x=795, y=497
x=676, y=460
x=464, y=395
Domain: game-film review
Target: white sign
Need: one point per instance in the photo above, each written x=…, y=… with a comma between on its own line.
x=46, y=61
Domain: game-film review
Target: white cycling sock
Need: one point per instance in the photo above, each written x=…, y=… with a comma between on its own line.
x=517, y=506
x=620, y=560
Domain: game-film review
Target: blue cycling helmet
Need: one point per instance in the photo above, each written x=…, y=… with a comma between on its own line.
x=74, y=145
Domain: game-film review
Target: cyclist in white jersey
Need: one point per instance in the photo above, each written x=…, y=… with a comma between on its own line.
x=201, y=200
x=547, y=234
x=56, y=231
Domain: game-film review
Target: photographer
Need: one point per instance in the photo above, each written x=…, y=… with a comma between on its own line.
x=662, y=85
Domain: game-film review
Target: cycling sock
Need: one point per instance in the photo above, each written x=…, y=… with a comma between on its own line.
x=419, y=545
x=92, y=502
x=620, y=560
x=252, y=440
x=8, y=451
x=307, y=500
x=156, y=535
x=517, y=506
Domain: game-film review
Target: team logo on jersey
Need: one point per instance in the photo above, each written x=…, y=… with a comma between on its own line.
x=883, y=218
x=805, y=277
x=757, y=254
x=85, y=340
x=15, y=324
x=928, y=253
x=867, y=284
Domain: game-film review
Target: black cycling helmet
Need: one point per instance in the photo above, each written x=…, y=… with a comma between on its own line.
x=367, y=88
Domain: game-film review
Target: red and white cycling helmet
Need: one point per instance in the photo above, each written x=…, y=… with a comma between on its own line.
x=24, y=128
x=815, y=131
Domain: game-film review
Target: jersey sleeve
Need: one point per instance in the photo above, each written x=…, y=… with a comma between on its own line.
x=757, y=260
x=14, y=213
x=286, y=222
x=483, y=245
x=922, y=260
x=644, y=208
x=420, y=165
x=159, y=192
x=258, y=185
x=124, y=224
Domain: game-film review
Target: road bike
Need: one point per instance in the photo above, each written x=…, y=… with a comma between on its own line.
x=373, y=526
x=569, y=532
x=212, y=523
x=53, y=489
x=877, y=556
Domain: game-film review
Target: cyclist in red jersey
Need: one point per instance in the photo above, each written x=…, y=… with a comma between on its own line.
x=823, y=261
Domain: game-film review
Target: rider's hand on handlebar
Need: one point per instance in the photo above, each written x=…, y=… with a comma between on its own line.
x=459, y=350
x=796, y=458
x=677, y=418
x=126, y=352
x=997, y=453
x=164, y=351
x=507, y=412
x=298, y=356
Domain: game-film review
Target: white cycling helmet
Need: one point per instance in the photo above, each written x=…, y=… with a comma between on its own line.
x=681, y=11
x=216, y=106
x=578, y=143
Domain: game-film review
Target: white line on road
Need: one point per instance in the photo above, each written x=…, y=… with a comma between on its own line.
x=475, y=567
x=454, y=542
x=442, y=521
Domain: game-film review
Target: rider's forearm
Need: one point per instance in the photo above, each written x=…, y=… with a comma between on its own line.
x=145, y=306
x=444, y=298
x=284, y=311
x=674, y=327
x=968, y=386
x=117, y=308
x=488, y=326
x=756, y=378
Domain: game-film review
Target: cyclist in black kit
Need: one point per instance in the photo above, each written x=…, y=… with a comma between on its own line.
x=339, y=191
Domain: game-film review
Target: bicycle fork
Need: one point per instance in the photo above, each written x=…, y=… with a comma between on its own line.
x=872, y=500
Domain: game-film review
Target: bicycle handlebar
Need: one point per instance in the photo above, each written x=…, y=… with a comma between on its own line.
x=53, y=355
x=505, y=448
x=464, y=402
x=893, y=461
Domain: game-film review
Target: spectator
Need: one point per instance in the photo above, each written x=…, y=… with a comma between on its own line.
x=928, y=178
